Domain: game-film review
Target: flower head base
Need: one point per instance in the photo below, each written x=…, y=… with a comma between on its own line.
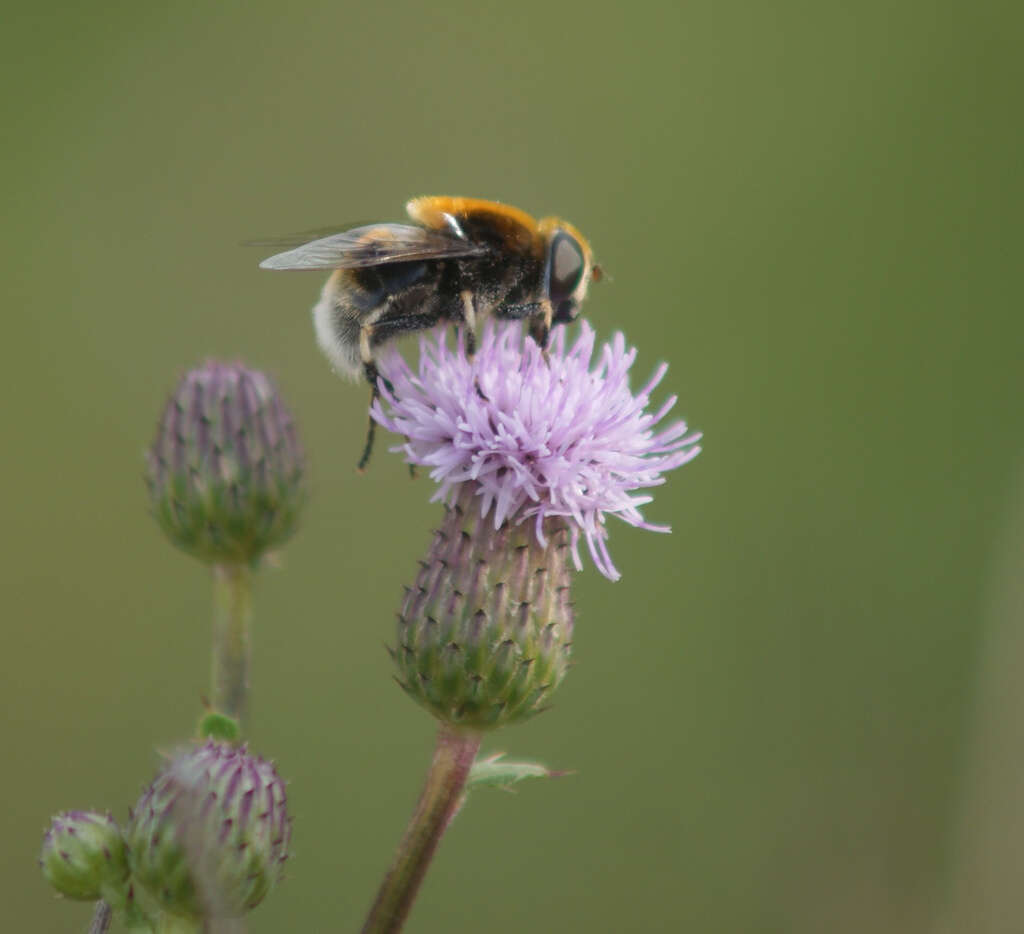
x=538, y=435
x=226, y=469
x=485, y=632
x=209, y=837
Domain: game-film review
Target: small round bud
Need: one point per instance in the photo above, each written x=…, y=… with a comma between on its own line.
x=485, y=633
x=83, y=856
x=226, y=472
x=209, y=837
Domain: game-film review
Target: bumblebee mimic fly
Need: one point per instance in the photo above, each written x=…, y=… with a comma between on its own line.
x=461, y=260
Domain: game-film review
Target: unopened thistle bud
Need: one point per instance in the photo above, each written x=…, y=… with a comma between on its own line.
x=209, y=838
x=531, y=451
x=485, y=632
x=83, y=857
x=226, y=472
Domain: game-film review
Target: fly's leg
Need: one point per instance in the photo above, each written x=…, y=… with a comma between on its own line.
x=540, y=314
x=540, y=325
x=469, y=317
x=386, y=324
x=372, y=376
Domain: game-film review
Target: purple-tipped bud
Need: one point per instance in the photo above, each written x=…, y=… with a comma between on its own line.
x=209, y=838
x=226, y=471
x=484, y=634
x=83, y=856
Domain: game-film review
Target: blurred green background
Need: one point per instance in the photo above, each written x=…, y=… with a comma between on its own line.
x=797, y=713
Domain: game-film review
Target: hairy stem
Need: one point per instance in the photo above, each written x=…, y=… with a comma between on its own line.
x=232, y=614
x=453, y=758
x=101, y=918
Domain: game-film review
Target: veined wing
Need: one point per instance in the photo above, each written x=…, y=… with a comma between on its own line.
x=296, y=238
x=374, y=245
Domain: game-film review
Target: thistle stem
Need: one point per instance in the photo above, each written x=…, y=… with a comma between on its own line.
x=101, y=917
x=232, y=614
x=439, y=800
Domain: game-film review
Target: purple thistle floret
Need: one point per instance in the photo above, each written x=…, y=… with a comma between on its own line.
x=561, y=436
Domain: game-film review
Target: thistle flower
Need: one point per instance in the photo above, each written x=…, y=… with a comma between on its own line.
x=209, y=837
x=226, y=472
x=531, y=452
x=83, y=857
x=537, y=435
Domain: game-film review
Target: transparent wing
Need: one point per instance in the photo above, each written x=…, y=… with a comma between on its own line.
x=297, y=238
x=374, y=245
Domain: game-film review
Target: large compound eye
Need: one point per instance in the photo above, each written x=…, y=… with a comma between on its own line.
x=566, y=265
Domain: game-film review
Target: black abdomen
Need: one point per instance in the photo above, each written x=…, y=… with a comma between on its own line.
x=375, y=284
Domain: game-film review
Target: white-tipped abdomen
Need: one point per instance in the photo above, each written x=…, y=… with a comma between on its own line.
x=337, y=332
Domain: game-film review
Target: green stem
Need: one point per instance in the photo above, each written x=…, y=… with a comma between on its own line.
x=232, y=614
x=442, y=792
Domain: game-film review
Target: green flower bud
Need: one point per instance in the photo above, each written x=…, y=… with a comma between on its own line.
x=84, y=857
x=226, y=472
x=484, y=635
x=209, y=838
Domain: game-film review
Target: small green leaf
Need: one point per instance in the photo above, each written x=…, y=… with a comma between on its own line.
x=220, y=727
x=495, y=771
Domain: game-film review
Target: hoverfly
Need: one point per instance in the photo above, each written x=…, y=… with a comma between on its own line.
x=462, y=259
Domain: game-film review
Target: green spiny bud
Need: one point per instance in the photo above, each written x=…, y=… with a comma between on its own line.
x=226, y=472
x=209, y=838
x=83, y=857
x=484, y=635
